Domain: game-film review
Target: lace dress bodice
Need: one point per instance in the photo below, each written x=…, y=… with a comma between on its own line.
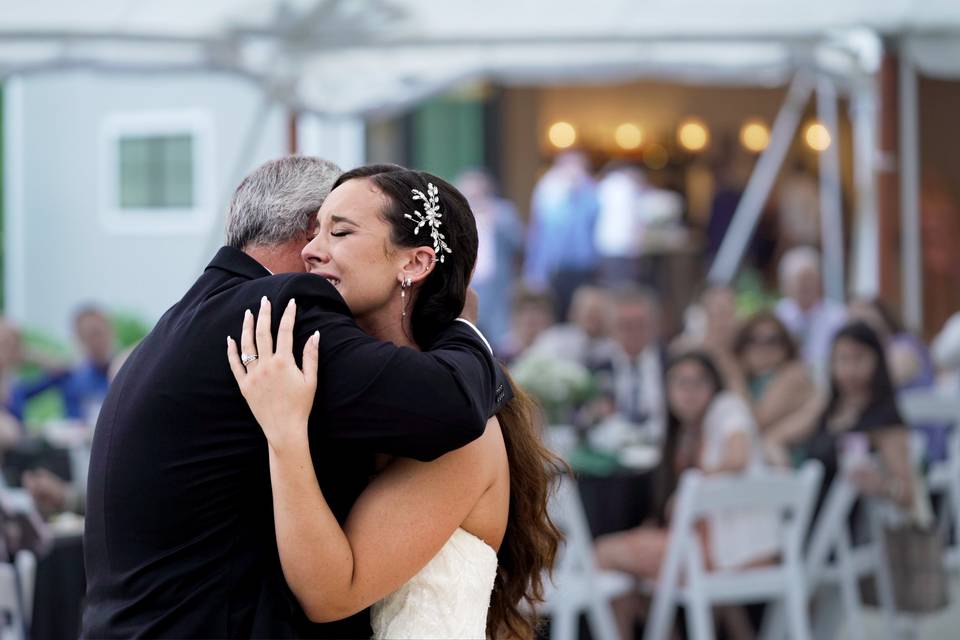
x=449, y=598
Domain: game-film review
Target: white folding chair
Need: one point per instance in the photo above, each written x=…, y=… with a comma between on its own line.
x=683, y=576
x=578, y=587
x=26, y=565
x=11, y=611
x=936, y=407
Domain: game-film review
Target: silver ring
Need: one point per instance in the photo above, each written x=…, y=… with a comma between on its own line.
x=246, y=358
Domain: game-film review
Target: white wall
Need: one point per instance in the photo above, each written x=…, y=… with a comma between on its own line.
x=61, y=249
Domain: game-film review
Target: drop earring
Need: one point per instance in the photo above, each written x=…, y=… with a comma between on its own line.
x=406, y=284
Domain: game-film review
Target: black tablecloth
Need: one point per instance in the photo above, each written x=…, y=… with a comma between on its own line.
x=60, y=587
x=616, y=502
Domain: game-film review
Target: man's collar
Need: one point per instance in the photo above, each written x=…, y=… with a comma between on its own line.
x=238, y=262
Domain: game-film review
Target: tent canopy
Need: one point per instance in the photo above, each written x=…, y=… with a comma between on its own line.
x=350, y=57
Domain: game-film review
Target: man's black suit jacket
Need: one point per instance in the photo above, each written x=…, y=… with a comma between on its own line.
x=179, y=528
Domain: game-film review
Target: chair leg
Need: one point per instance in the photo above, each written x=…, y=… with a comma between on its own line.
x=849, y=589
x=699, y=618
x=603, y=624
x=828, y=613
x=797, y=612
x=564, y=624
x=774, y=625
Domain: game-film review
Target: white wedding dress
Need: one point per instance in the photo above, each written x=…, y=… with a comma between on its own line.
x=449, y=598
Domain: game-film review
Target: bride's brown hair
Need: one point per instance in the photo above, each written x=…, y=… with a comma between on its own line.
x=531, y=540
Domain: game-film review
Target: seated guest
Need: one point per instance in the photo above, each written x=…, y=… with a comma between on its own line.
x=945, y=350
x=910, y=363
x=585, y=339
x=811, y=319
x=857, y=415
x=711, y=430
x=83, y=387
x=633, y=374
x=51, y=494
x=531, y=316
x=711, y=326
x=774, y=380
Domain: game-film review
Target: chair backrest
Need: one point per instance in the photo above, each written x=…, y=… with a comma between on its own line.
x=790, y=494
x=830, y=526
x=566, y=510
x=930, y=406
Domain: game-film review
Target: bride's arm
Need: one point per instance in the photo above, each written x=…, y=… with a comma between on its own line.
x=399, y=523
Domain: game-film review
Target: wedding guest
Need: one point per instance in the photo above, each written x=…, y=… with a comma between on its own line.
x=857, y=415
x=51, y=494
x=635, y=368
x=628, y=205
x=910, y=362
x=532, y=316
x=811, y=319
x=774, y=380
x=560, y=253
x=710, y=324
x=711, y=430
x=945, y=350
x=83, y=387
x=585, y=338
x=500, y=233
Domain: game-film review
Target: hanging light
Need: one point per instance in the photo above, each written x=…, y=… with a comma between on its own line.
x=562, y=134
x=693, y=134
x=628, y=136
x=755, y=135
x=817, y=136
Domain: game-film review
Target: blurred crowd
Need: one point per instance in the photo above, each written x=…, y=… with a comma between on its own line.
x=71, y=392
x=804, y=377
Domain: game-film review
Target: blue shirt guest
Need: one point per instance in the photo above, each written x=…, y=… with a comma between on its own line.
x=561, y=254
x=83, y=387
x=500, y=233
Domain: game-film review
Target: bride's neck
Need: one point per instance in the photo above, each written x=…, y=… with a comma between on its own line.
x=389, y=324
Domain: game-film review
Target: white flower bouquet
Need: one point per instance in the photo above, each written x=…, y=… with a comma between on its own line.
x=560, y=386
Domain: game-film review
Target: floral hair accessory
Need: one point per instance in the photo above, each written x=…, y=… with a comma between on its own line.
x=430, y=217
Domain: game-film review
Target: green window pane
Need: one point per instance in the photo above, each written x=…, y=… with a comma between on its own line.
x=156, y=172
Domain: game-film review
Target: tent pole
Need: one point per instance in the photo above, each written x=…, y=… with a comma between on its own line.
x=750, y=207
x=912, y=265
x=866, y=235
x=831, y=208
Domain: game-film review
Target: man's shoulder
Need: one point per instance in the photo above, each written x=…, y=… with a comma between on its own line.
x=307, y=288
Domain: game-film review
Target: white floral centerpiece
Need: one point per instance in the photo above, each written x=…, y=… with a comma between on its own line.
x=560, y=386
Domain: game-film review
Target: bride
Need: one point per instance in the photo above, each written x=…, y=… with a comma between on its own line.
x=453, y=548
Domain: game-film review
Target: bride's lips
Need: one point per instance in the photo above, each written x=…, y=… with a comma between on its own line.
x=329, y=277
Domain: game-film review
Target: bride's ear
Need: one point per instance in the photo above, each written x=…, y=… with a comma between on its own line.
x=420, y=264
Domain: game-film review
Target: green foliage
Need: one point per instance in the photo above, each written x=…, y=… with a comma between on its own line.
x=129, y=329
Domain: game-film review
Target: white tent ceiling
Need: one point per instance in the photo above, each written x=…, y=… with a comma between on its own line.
x=348, y=56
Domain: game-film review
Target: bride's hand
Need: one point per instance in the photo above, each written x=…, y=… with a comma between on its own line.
x=278, y=392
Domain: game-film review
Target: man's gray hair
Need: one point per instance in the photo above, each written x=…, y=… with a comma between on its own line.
x=278, y=202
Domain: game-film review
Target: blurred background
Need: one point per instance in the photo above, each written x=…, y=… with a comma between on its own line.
x=738, y=196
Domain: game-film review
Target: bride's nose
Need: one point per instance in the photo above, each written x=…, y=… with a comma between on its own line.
x=314, y=254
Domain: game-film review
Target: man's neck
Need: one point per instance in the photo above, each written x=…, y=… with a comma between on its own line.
x=278, y=258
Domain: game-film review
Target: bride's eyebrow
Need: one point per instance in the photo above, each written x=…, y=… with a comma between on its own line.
x=335, y=219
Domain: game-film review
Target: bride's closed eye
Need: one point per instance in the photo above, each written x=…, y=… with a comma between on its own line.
x=340, y=233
